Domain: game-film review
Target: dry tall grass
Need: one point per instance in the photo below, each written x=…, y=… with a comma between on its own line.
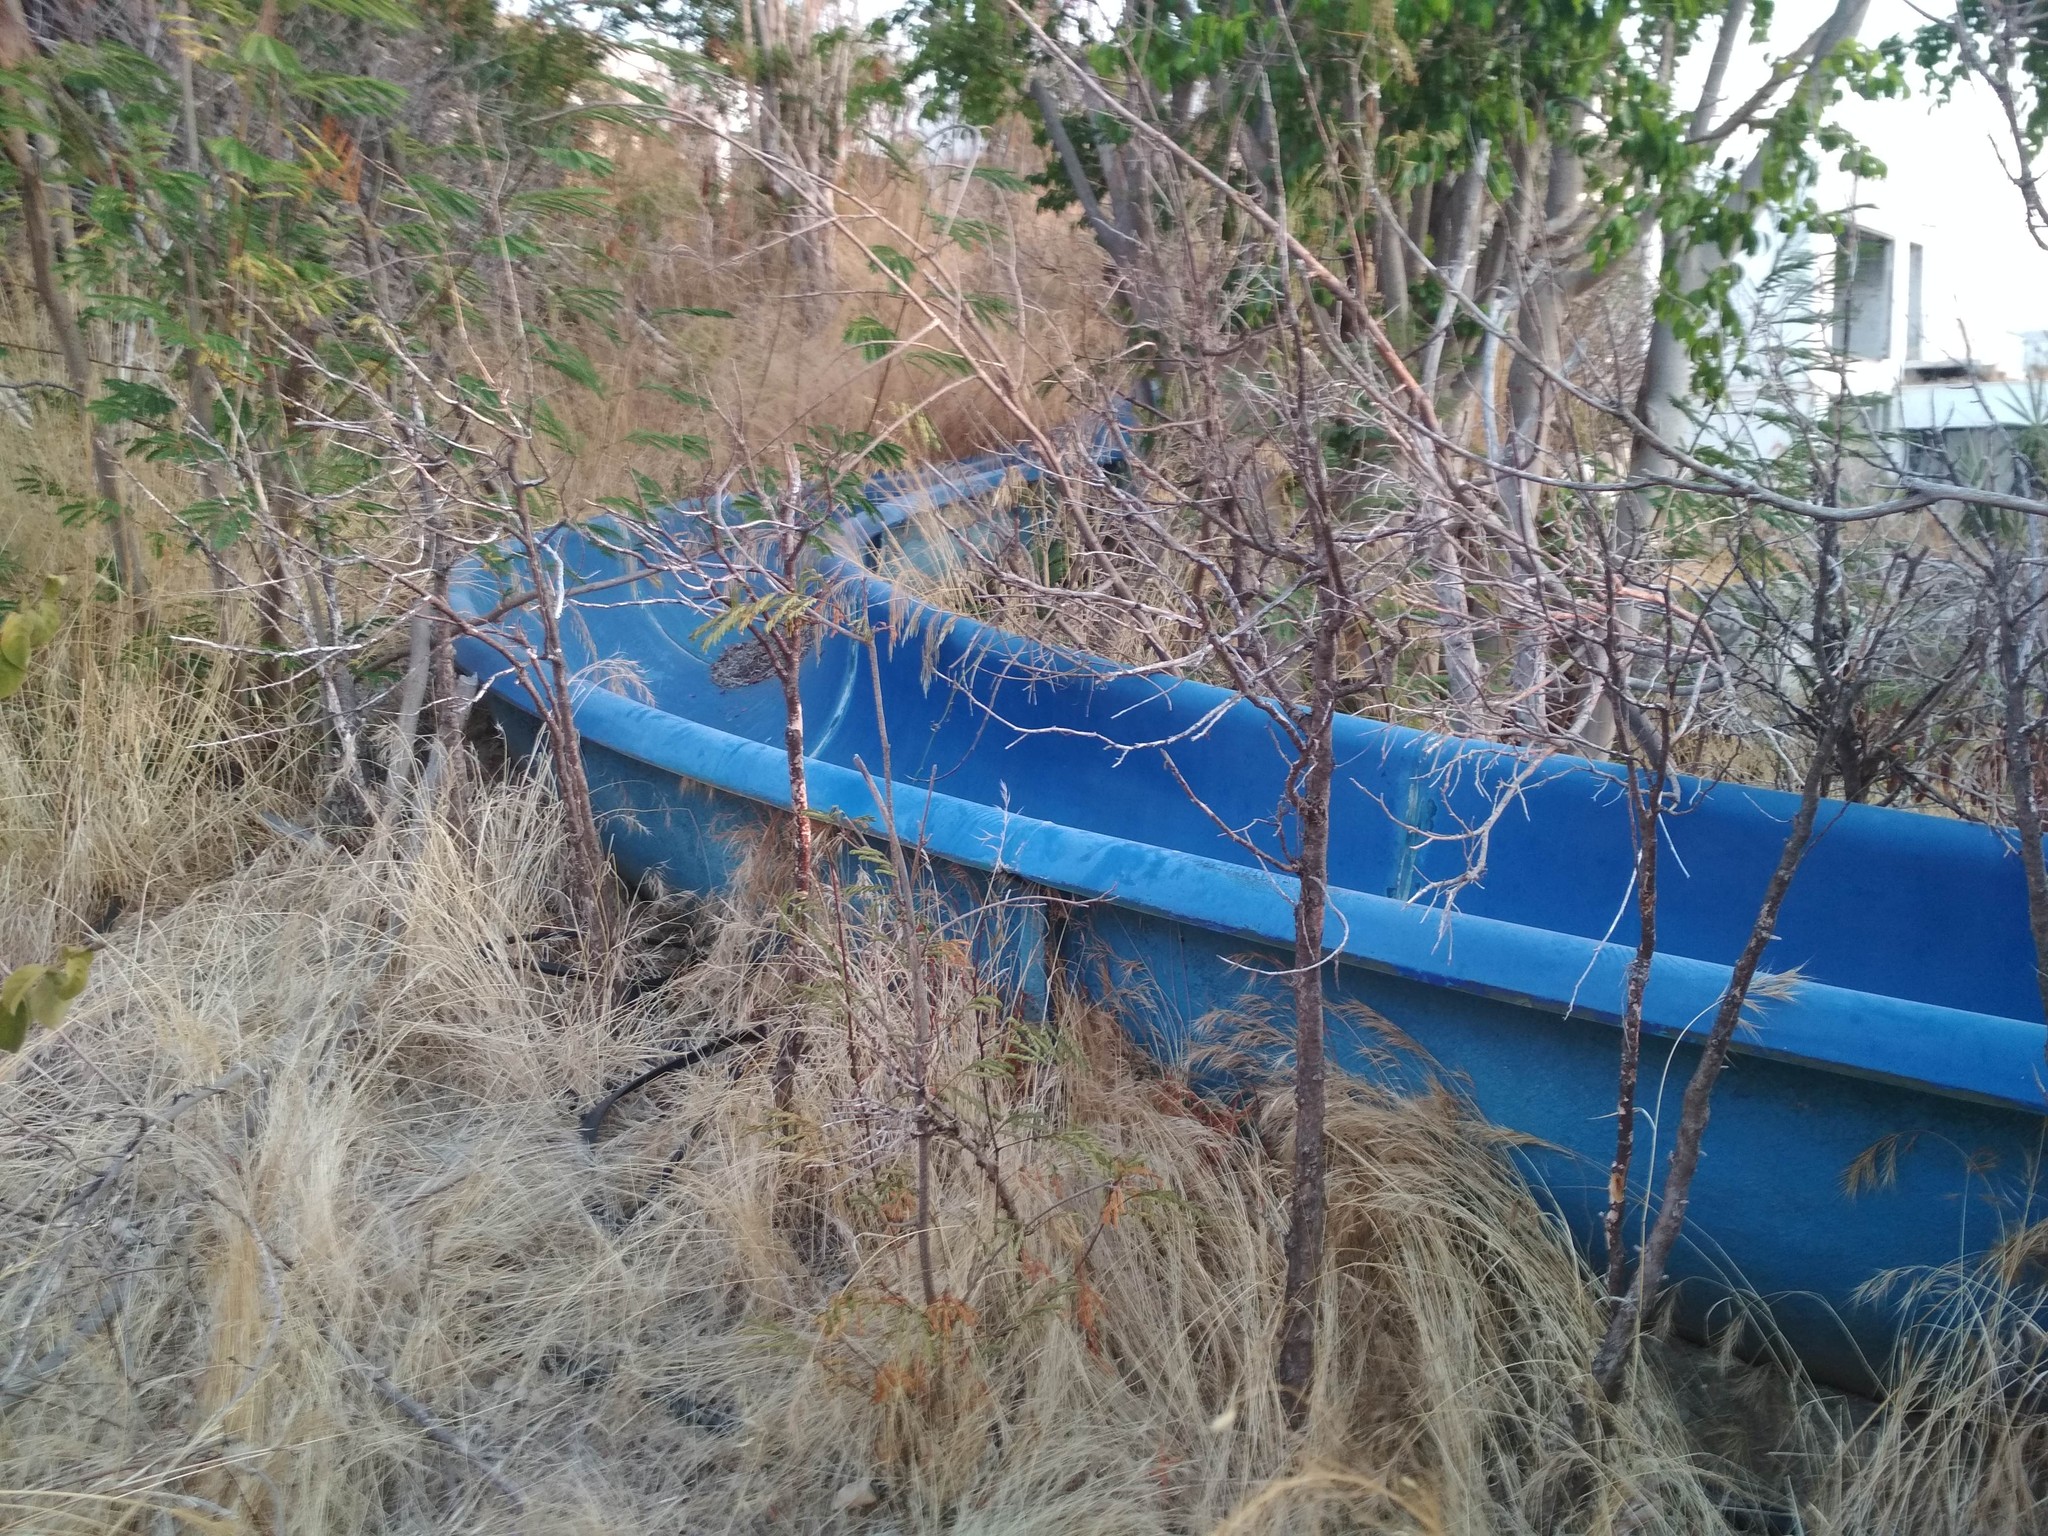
x=769, y=351
x=299, y=1232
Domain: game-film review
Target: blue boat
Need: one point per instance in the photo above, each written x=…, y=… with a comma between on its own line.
x=1884, y=1114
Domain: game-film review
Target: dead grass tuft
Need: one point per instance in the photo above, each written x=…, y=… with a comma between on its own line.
x=297, y=1231
x=301, y=1235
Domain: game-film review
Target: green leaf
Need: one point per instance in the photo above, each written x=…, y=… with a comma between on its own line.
x=560, y=202
x=588, y=161
x=640, y=90
x=699, y=310
x=265, y=52
x=673, y=442
x=14, y=1021
x=996, y=176
x=127, y=400
x=514, y=247
x=869, y=334
x=127, y=307
x=416, y=237
x=39, y=994
x=44, y=616
x=551, y=427
x=886, y=258
x=481, y=394
x=989, y=308
x=221, y=523
x=260, y=50
x=609, y=112
x=680, y=395
x=942, y=362
x=439, y=201
x=570, y=362
x=239, y=160
x=973, y=234
x=392, y=13
x=588, y=303
x=359, y=95
x=14, y=650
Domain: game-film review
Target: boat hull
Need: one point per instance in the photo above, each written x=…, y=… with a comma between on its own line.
x=1856, y=1134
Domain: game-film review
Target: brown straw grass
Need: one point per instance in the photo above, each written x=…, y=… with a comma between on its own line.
x=300, y=1234
x=297, y=1231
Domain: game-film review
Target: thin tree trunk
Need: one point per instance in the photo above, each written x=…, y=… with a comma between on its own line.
x=1610, y=1363
x=1308, y=1197
x=1463, y=672
x=1361, y=134
x=1647, y=813
x=1667, y=369
x=17, y=47
x=412, y=692
x=587, y=865
x=912, y=940
x=1119, y=245
x=1457, y=261
x=2019, y=771
x=788, y=668
x=1390, y=256
x=1419, y=198
x=788, y=655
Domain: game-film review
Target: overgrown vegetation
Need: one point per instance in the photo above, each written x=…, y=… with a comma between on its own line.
x=302, y=1231
x=306, y=303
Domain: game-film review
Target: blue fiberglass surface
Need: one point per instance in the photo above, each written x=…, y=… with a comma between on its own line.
x=1888, y=903
x=1154, y=800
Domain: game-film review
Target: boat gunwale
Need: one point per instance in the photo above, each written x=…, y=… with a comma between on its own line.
x=1828, y=1027
x=1945, y=1051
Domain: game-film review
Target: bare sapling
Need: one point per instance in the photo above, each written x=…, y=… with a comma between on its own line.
x=1308, y=794
x=784, y=640
x=1629, y=1307
x=1653, y=665
x=551, y=685
x=785, y=643
x=1617, y=1343
x=17, y=51
x=1645, y=800
x=430, y=699
x=763, y=568
x=911, y=939
x=2017, y=658
x=786, y=635
x=1308, y=1193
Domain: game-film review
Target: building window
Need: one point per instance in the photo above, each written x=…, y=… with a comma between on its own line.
x=1916, y=302
x=1863, y=295
x=1990, y=458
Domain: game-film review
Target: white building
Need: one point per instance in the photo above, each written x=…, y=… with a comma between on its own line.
x=1933, y=308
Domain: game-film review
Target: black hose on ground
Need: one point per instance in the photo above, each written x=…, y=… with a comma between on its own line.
x=593, y=1118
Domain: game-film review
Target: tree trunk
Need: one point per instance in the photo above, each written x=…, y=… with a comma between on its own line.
x=1308, y=1197
x=1464, y=675
x=1648, y=810
x=17, y=47
x=2019, y=771
x=1456, y=257
x=1610, y=1363
x=788, y=653
x=551, y=685
x=1661, y=405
